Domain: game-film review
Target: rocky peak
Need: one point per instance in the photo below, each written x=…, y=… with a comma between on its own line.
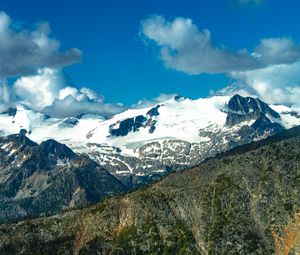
x=153, y=111
x=72, y=121
x=246, y=105
x=239, y=104
x=243, y=109
x=56, y=149
x=263, y=126
x=122, y=128
x=17, y=140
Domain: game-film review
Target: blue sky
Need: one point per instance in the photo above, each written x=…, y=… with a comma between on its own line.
x=116, y=62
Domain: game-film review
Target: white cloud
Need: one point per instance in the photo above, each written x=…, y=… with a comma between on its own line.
x=80, y=94
x=50, y=92
x=277, y=84
x=185, y=48
x=40, y=90
x=71, y=106
x=6, y=97
x=278, y=51
x=23, y=51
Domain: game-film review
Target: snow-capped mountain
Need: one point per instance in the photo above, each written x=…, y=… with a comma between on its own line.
x=140, y=144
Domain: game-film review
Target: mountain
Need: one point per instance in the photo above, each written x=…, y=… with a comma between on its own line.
x=46, y=178
x=140, y=145
x=245, y=201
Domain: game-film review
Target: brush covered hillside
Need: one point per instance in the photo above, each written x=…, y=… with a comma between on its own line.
x=246, y=201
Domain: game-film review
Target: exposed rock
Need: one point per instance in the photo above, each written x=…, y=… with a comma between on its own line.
x=246, y=105
x=263, y=125
x=153, y=111
x=122, y=128
x=46, y=178
x=72, y=121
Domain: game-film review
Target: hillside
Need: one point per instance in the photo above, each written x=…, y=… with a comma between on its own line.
x=239, y=203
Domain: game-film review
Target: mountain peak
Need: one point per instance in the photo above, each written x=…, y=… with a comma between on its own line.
x=245, y=105
x=19, y=140
x=240, y=104
x=52, y=147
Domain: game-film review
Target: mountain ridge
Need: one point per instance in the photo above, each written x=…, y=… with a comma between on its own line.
x=29, y=170
x=46, y=178
x=243, y=203
x=180, y=132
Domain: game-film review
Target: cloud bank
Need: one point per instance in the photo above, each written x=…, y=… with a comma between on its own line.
x=185, y=48
x=41, y=89
x=23, y=51
x=279, y=84
x=49, y=91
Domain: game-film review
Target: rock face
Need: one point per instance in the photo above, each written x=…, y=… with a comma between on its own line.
x=124, y=127
x=46, y=178
x=245, y=201
x=243, y=109
x=245, y=105
x=247, y=108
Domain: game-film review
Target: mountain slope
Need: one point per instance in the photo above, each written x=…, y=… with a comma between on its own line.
x=46, y=178
x=241, y=203
x=140, y=145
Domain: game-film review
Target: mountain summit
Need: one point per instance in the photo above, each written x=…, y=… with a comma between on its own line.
x=139, y=145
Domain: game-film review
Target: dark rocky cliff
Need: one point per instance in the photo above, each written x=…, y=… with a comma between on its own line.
x=44, y=179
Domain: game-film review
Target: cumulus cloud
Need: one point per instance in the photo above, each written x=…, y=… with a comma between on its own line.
x=185, y=48
x=71, y=106
x=73, y=102
x=274, y=84
x=23, y=50
x=51, y=92
x=41, y=89
x=274, y=51
x=278, y=84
